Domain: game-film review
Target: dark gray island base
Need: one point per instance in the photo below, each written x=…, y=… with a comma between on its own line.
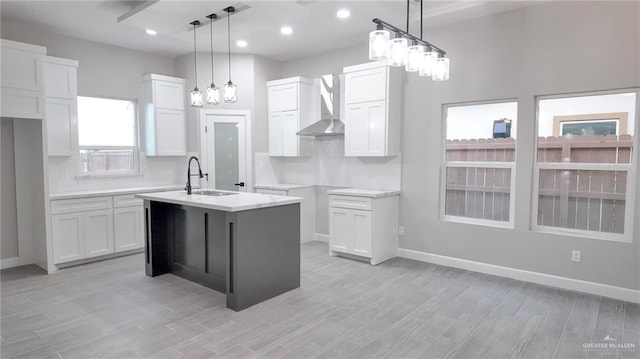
x=249, y=255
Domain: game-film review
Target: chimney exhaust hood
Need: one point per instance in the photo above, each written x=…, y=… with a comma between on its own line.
x=329, y=124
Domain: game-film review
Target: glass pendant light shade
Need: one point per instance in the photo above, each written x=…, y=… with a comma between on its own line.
x=441, y=70
x=230, y=92
x=196, y=97
x=415, y=55
x=428, y=63
x=213, y=95
x=397, y=51
x=378, y=44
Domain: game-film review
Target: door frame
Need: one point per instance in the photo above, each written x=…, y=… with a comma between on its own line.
x=246, y=114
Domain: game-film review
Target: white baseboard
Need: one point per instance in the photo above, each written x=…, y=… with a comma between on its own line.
x=321, y=237
x=578, y=285
x=12, y=262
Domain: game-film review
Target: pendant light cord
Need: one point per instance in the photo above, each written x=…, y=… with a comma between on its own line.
x=229, y=40
x=421, y=20
x=195, y=60
x=407, y=16
x=211, y=31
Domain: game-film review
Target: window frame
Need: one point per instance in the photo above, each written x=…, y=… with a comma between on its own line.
x=444, y=165
x=629, y=168
x=136, y=169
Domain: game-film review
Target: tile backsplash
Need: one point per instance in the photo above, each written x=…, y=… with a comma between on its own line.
x=328, y=166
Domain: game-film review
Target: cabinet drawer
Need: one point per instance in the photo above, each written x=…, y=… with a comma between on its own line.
x=362, y=203
x=277, y=192
x=81, y=204
x=127, y=200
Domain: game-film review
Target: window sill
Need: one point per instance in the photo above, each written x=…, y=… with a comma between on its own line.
x=601, y=236
x=478, y=222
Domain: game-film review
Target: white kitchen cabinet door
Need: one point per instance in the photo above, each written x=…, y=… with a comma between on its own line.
x=275, y=133
x=61, y=78
x=283, y=97
x=289, y=137
x=68, y=237
x=365, y=86
x=365, y=129
x=128, y=228
x=62, y=117
x=170, y=133
x=340, y=230
x=22, y=94
x=169, y=95
x=361, y=227
x=98, y=233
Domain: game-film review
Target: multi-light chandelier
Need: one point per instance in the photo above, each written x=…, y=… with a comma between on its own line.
x=421, y=56
x=230, y=90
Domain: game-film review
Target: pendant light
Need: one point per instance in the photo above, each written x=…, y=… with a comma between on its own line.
x=196, y=94
x=230, y=90
x=378, y=44
x=213, y=93
x=422, y=56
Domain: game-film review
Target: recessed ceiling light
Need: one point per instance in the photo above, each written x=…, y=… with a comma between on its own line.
x=241, y=43
x=343, y=13
x=286, y=30
x=151, y=32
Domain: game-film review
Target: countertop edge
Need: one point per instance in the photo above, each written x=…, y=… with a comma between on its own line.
x=276, y=201
x=114, y=192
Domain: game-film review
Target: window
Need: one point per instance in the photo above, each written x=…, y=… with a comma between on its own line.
x=584, y=167
x=479, y=163
x=107, y=135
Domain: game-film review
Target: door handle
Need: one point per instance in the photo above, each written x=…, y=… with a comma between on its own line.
x=241, y=184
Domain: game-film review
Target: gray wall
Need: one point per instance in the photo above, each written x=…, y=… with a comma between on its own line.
x=549, y=48
x=8, y=222
x=545, y=49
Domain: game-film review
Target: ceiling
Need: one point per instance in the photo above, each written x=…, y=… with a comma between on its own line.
x=315, y=25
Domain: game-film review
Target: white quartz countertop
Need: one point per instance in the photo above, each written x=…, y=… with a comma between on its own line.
x=282, y=186
x=238, y=201
x=114, y=192
x=364, y=192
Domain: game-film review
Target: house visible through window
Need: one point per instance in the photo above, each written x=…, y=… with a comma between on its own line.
x=479, y=163
x=584, y=165
x=107, y=136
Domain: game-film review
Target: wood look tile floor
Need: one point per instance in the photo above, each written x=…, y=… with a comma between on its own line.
x=344, y=308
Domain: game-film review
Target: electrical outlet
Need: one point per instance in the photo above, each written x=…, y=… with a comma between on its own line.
x=576, y=256
x=401, y=230
x=65, y=174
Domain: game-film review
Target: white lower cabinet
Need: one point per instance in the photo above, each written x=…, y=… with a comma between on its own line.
x=91, y=227
x=129, y=228
x=364, y=227
x=68, y=237
x=98, y=233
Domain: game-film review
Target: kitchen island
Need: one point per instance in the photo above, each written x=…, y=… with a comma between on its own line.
x=245, y=245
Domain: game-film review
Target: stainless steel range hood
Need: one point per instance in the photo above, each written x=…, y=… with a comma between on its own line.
x=329, y=124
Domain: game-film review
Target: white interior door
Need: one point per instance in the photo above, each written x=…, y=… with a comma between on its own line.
x=226, y=149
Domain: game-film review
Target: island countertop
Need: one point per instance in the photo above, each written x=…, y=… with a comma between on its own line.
x=238, y=201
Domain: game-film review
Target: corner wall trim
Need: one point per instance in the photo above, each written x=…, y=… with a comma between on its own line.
x=321, y=237
x=625, y=294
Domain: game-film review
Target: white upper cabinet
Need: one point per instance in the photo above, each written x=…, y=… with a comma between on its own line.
x=22, y=80
x=372, y=110
x=61, y=91
x=291, y=106
x=163, y=111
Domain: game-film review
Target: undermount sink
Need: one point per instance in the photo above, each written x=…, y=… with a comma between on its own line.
x=211, y=192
